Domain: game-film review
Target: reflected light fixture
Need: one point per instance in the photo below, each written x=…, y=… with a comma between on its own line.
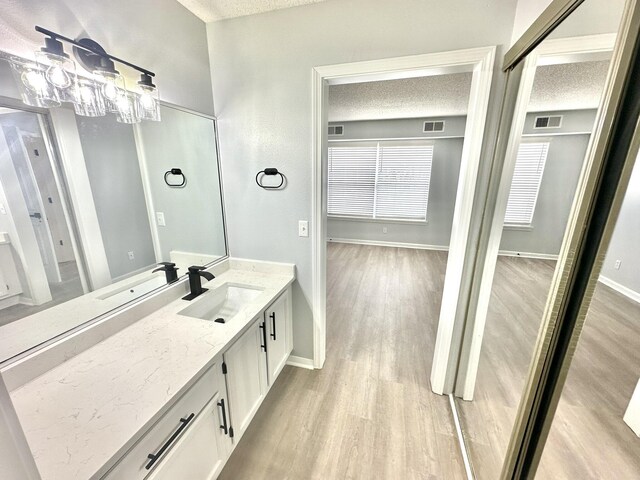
x=53, y=78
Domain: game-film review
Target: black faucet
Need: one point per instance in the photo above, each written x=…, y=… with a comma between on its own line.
x=170, y=271
x=195, y=285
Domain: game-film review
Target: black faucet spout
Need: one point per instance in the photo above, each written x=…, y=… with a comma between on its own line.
x=195, y=282
x=170, y=271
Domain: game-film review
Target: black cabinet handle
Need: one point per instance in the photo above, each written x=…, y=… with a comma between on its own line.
x=264, y=336
x=155, y=456
x=224, y=417
x=273, y=324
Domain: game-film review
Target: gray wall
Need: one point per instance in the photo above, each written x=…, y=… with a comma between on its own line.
x=445, y=170
x=261, y=68
x=112, y=165
x=399, y=128
x=626, y=239
x=559, y=181
x=160, y=35
x=193, y=214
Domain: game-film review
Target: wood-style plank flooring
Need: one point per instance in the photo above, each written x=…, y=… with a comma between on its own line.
x=369, y=413
x=589, y=439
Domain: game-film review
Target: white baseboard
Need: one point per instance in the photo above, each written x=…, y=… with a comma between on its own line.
x=376, y=243
x=538, y=256
x=440, y=248
x=627, y=292
x=300, y=362
x=9, y=301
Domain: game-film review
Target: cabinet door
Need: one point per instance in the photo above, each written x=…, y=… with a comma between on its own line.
x=203, y=450
x=279, y=341
x=246, y=376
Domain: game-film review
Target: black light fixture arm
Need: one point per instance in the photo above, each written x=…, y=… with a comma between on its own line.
x=57, y=36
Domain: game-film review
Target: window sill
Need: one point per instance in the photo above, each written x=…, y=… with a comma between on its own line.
x=378, y=220
x=514, y=226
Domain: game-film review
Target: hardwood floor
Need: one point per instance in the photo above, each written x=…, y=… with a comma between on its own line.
x=369, y=413
x=589, y=439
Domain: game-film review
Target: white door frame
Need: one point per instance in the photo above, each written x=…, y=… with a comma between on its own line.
x=563, y=50
x=480, y=61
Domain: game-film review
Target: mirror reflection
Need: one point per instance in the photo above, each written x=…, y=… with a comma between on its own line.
x=93, y=214
x=555, y=121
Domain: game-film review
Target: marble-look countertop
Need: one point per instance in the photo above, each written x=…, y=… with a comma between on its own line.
x=82, y=415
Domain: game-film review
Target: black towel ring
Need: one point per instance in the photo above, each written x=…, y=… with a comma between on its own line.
x=270, y=172
x=175, y=171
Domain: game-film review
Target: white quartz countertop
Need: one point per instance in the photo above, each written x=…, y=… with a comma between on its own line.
x=81, y=416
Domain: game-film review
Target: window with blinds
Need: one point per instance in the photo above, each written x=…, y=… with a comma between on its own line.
x=525, y=185
x=382, y=181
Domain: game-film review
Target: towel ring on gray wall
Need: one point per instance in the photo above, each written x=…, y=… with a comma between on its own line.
x=178, y=172
x=270, y=172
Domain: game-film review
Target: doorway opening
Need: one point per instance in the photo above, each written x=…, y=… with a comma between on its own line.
x=40, y=264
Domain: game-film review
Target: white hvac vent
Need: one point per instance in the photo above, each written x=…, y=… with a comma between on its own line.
x=433, y=126
x=335, y=130
x=548, y=121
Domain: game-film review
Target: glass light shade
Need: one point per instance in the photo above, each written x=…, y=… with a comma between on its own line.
x=149, y=103
x=111, y=87
x=90, y=102
x=127, y=108
x=34, y=88
x=60, y=72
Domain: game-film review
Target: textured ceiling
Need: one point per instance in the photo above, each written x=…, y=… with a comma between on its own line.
x=212, y=10
x=434, y=96
x=568, y=86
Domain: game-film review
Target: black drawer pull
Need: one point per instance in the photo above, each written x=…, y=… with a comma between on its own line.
x=224, y=417
x=155, y=456
x=264, y=336
x=273, y=324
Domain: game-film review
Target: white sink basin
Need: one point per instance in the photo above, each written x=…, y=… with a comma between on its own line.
x=225, y=302
x=134, y=289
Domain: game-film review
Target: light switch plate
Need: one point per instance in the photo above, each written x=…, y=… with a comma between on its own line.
x=160, y=219
x=3, y=210
x=131, y=255
x=303, y=228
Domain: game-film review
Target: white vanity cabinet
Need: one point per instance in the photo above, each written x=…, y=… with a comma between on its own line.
x=279, y=336
x=189, y=441
x=246, y=374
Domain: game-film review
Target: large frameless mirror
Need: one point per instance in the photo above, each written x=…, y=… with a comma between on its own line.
x=95, y=213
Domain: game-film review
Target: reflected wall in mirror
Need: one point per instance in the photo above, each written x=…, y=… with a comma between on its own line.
x=82, y=230
x=555, y=119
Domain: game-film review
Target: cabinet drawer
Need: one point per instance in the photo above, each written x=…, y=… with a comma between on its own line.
x=166, y=432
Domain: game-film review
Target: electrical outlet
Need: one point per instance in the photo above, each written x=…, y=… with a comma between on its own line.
x=303, y=228
x=384, y=230
x=131, y=255
x=617, y=265
x=160, y=219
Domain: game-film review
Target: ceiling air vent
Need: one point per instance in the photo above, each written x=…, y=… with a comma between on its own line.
x=548, y=121
x=335, y=130
x=433, y=126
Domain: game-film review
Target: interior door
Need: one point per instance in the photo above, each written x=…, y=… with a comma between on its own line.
x=50, y=196
x=33, y=200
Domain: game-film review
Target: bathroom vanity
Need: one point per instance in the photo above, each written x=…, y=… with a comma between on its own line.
x=171, y=394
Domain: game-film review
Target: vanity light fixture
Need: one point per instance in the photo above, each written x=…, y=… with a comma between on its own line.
x=53, y=79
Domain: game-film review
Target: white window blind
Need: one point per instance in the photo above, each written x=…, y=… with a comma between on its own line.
x=525, y=185
x=352, y=178
x=380, y=182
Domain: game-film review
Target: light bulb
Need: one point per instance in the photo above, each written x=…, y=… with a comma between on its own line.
x=147, y=101
x=110, y=91
x=58, y=76
x=34, y=80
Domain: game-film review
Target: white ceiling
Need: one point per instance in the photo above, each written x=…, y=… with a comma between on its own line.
x=212, y=10
x=433, y=96
x=556, y=87
x=569, y=86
